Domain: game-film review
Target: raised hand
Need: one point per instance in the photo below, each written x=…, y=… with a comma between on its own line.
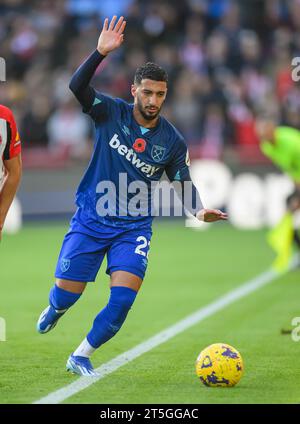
x=112, y=35
x=211, y=215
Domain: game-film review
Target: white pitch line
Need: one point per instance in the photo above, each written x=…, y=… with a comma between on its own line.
x=165, y=335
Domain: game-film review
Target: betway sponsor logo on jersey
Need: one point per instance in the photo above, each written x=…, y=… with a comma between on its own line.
x=132, y=157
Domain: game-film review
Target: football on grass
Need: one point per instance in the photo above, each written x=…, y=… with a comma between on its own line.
x=219, y=365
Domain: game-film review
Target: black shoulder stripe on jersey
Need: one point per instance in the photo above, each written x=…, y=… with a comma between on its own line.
x=8, y=142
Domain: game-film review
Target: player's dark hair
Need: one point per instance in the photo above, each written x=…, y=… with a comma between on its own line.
x=150, y=71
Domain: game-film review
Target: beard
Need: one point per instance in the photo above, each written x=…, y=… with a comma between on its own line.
x=147, y=115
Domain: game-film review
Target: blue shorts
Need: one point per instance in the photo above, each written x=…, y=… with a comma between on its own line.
x=82, y=252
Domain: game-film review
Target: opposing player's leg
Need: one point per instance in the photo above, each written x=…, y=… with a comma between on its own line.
x=126, y=265
x=79, y=261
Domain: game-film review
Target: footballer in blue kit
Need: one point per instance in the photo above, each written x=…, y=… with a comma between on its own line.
x=133, y=147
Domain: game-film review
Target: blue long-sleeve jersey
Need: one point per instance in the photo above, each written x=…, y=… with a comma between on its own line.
x=127, y=161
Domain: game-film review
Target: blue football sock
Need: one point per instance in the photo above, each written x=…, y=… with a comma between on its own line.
x=61, y=299
x=108, y=322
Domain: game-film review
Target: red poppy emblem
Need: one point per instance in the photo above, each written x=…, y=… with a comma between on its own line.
x=139, y=145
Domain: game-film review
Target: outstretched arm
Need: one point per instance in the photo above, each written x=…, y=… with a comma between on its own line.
x=192, y=200
x=111, y=37
x=179, y=175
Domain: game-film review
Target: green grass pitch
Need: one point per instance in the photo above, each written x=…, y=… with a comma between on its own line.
x=187, y=270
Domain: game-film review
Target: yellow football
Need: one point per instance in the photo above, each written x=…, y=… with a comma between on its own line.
x=219, y=365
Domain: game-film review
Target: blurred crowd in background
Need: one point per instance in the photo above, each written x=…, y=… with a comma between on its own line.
x=228, y=61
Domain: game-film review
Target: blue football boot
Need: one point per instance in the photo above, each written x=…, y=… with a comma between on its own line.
x=81, y=366
x=48, y=319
